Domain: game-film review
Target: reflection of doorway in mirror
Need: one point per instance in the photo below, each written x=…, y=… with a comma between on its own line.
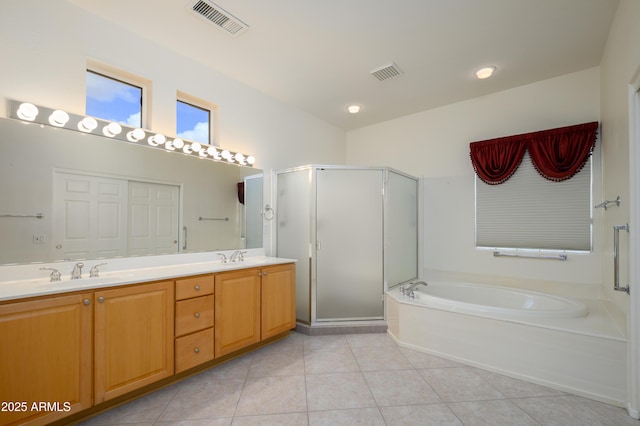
x=153, y=218
x=89, y=217
x=101, y=217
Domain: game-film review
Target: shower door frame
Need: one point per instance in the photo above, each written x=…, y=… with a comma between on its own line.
x=633, y=318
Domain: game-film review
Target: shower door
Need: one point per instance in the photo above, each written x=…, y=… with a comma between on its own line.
x=349, y=244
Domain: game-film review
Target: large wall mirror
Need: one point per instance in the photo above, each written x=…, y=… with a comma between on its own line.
x=103, y=198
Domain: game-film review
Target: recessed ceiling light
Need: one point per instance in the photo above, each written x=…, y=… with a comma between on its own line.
x=485, y=72
x=353, y=109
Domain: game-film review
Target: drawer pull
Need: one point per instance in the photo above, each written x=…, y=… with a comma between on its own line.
x=197, y=288
x=197, y=315
x=101, y=299
x=86, y=301
x=197, y=350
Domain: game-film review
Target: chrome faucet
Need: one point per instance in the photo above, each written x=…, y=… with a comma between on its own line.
x=55, y=274
x=408, y=291
x=95, y=272
x=237, y=256
x=224, y=257
x=77, y=271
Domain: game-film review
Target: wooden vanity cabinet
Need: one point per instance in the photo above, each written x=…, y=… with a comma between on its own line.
x=194, y=321
x=237, y=310
x=79, y=350
x=134, y=337
x=278, y=299
x=45, y=358
x=253, y=305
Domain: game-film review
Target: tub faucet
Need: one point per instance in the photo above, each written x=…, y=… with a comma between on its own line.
x=412, y=286
x=77, y=271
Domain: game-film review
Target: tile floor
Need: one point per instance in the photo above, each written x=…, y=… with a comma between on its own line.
x=356, y=379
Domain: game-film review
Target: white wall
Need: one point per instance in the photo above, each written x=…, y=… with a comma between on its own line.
x=619, y=68
x=434, y=145
x=45, y=47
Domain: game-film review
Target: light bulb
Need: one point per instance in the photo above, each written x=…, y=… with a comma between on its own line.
x=87, y=124
x=157, y=139
x=225, y=154
x=239, y=157
x=136, y=135
x=178, y=143
x=27, y=111
x=212, y=151
x=186, y=149
x=169, y=146
x=196, y=147
x=486, y=72
x=251, y=160
x=58, y=118
x=203, y=153
x=112, y=129
x=353, y=109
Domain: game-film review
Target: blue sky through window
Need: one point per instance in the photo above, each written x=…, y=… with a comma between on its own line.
x=113, y=100
x=192, y=122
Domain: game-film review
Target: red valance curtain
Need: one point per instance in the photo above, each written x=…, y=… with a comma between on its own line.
x=557, y=154
x=496, y=160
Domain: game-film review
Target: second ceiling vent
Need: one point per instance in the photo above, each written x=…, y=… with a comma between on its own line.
x=222, y=19
x=386, y=72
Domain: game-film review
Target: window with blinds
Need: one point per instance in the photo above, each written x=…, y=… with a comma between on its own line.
x=530, y=212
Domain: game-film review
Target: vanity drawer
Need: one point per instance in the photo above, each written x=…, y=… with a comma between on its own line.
x=194, y=349
x=194, y=314
x=194, y=286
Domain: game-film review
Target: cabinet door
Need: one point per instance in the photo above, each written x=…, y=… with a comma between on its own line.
x=237, y=310
x=133, y=337
x=278, y=299
x=45, y=357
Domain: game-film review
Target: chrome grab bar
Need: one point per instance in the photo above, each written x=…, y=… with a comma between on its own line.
x=616, y=257
x=560, y=256
x=37, y=215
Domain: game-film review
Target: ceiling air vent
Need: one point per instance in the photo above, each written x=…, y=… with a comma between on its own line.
x=222, y=19
x=386, y=72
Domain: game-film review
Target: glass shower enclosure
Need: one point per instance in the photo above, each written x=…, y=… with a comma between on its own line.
x=354, y=233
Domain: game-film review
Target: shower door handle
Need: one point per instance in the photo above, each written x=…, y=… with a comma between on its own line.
x=616, y=257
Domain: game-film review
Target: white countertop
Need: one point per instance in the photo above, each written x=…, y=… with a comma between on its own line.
x=22, y=281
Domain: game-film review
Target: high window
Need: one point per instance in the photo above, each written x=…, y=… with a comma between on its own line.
x=114, y=100
x=193, y=122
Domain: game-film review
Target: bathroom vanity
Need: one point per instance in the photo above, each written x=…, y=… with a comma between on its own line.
x=75, y=347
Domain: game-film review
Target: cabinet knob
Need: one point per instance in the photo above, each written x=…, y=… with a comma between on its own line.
x=197, y=288
x=264, y=274
x=86, y=301
x=101, y=299
x=196, y=350
x=197, y=315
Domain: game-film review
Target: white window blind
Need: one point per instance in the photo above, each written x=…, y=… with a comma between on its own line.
x=530, y=212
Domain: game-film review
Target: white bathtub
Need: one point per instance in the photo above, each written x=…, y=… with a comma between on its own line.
x=496, y=302
x=545, y=339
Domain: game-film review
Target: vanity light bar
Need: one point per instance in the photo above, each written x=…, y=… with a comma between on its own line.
x=55, y=117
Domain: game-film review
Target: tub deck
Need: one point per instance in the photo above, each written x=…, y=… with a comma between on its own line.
x=586, y=356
